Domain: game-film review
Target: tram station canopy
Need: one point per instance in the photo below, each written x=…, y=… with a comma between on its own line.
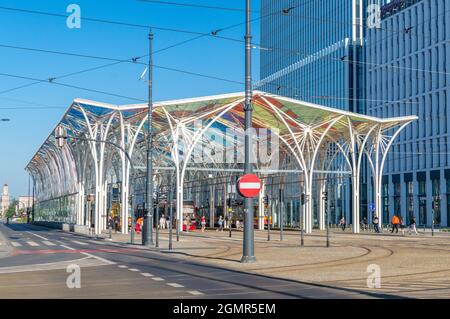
x=314, y=136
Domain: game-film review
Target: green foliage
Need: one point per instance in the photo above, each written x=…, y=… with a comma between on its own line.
x=11, y=209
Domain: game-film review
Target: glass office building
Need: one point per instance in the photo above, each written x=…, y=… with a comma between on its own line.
x=310, y=51
x=306, y=47
x=408, y=65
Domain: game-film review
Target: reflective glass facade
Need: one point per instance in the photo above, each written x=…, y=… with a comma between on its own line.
x=313, y=53
x=305, y=53
x=408, y=60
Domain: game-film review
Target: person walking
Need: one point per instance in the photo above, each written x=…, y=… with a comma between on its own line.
x=376, y=224
x=412, y=226
x=395, y=221
x=342, y=223
x=220, y=222
x=364, y=224
x=402, y=226
x=203, y=223
x=116, y=223
x=168, y=223
x=138, y=226
x=162, y=222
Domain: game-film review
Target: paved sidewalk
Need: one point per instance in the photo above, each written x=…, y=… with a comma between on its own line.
x=411, y=266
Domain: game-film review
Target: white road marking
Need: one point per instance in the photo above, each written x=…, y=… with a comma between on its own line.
x=48, y=243
x=195, y=293
x=158, y=279
x=146, y=274
x=175, y=285
x=79, y=242
x=93, y=256
x=16, y=244
x=122, y=266
x=38, y=236
x=32, y=243
x=133, y=269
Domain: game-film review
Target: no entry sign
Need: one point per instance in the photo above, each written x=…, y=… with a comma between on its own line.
x=249, y=185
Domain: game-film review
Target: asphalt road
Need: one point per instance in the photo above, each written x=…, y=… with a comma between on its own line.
x=34, y=261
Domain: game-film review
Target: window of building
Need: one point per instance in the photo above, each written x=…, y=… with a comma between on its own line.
x=436, y=201
x=410, y=201
x=397, y=197
x=422, y=203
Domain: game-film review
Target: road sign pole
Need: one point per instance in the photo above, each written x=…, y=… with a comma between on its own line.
x=248, y=243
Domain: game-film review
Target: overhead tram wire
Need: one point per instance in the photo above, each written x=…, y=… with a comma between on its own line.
x=216, y=36
x=112, y=22
x=72, y=86
x=134, y=59
x=189, y=73
x=172, y=3
x=287, y=12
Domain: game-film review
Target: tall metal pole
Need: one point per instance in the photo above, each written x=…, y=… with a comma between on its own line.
x=328, y=223
x=248, y=249
x=280, y=212
x=28, y=208
x=171, y=215
x=157, y=220
x=147, y=236
x=32, y=205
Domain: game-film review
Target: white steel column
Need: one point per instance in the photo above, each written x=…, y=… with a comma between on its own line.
x=261, y=205
x=212, y=205
x=321, y=216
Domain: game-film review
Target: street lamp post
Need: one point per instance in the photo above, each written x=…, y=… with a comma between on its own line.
x=147, y=236
x=248, y=244
x=327, y=215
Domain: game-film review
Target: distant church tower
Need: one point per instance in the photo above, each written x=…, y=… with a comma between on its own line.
x=4, y=200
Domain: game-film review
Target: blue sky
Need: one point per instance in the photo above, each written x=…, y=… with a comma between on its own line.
x=28, y=128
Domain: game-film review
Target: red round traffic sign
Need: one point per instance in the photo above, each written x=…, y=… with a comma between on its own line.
x=249, y=185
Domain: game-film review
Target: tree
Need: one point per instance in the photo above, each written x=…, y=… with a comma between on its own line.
x=11, y=209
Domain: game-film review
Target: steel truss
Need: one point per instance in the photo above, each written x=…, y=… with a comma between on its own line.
x=190, y=136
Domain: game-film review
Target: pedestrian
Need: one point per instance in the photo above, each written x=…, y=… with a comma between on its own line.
x=168, y=223
x=412, y=226
x=116, y=223
x=365, y=224
x=376, y=224
x=110, y=224
x=203, y=223
x=187, y=222
x=238, y=225
x=395, y=221
x=342, y=223
x=138, y=226
x=220, y=222
x=402, y=226
x=162, y=222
